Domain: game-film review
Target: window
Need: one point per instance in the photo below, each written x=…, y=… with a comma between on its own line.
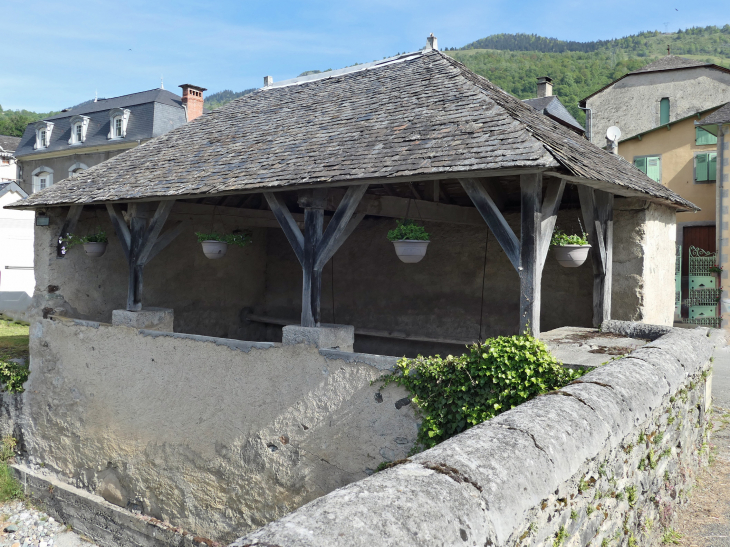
x=42, y=178
x=706, y=167
x=651, y=166
x=703, y=137
x=79, y=125
x=118, y=118
x=43, y=132
x=664, y=111
x=77, y=168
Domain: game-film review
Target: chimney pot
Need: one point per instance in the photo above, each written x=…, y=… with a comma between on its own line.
x=544, y=87
x=431, y=42
x=268, y=80
x=192, y=100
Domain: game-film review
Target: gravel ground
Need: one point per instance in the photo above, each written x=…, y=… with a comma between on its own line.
x=24, y=526
x=705, y=520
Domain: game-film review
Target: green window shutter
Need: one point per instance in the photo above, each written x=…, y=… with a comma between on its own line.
x=664, y=111
x=701, y=168
x=712, y=166
x=703, y=137
x=654, y=168
x=640, y=164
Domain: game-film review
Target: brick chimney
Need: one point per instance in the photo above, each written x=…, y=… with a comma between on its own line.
x=192, y=100
x=544, y=87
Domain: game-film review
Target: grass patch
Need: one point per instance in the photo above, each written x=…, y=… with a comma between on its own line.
x=14, y=339
x=10, y=488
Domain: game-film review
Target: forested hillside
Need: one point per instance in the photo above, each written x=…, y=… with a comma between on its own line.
x=13, y=122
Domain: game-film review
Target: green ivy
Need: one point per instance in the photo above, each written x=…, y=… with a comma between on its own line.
x=560, y=238
x=406, y=229
x=72, y=239
x=13, y=376
x=456, y=393
x=241, y=239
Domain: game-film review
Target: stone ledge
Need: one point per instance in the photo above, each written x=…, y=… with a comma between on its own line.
x=107, y=524
x=326, y=336
x=148, y=318
x=381, y=362
x=241, y=345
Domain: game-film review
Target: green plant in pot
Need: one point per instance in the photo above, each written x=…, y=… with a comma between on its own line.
x=410, y=241
x=571, y=251
x=94, y=244
x=215, y=245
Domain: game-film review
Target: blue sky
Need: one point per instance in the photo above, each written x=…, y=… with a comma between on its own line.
x=62, y=52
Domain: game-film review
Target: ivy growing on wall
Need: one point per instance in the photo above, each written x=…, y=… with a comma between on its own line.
x=456, y=393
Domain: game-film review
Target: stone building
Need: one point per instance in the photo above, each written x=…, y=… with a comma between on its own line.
x=664, y=91
x=550, y=105
x=231, y=420
x=70, y=142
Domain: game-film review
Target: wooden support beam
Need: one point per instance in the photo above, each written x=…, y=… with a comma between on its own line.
x=288, y=224
x=317, y=247
x=414, y=191
x=597, y=210
x=494, y=219
x=140, y=242
x=530, y=271
x=165, y=239
x=549, y=215
x=69, y=225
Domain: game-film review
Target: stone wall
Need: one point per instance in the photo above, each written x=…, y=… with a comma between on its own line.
x=643, y=262
x=208, y=434
x=603, y=461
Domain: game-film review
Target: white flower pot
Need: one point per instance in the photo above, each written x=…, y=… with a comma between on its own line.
x=571, y=256
x=214, y=249
x=94, y=249
x=410, y=251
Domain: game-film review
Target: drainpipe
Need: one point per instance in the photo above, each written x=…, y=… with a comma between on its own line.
x=589, y=122
x=721, y=180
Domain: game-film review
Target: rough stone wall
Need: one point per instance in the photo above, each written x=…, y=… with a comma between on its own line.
x=206, y=295
x=603, y=461
x=633, y=103
x=211, y=435
x=643, y=262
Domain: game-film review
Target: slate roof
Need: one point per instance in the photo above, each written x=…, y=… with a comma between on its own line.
x=551, y=106
x=152, y=113
x=668, y=62
x=718, y=117
x=416, y=114
x=8, y=144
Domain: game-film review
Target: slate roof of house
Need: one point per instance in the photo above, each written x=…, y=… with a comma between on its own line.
x=8, y=144
x=551, y=106
x=152, y=113
x=668, y=62
x=412, y=115
x=718, y=117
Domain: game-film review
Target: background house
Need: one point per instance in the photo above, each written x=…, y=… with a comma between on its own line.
x=550, y=105
x=657, y=109
x=8, y=168
x=60, y=146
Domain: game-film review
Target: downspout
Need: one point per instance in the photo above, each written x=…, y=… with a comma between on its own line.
x=589, y=122
x=721, y=178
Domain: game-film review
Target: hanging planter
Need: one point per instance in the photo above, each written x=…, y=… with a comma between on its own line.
x=215, y=245
x=94, y=244
x=570, y=251
x=410, y=241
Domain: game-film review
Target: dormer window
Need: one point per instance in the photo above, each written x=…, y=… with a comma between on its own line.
x=43, y=134
x=118, y=119
x=79, y=125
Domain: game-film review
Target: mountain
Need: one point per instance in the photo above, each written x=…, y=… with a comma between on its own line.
x=214, y=100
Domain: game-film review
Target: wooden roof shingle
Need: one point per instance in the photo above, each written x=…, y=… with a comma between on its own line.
x=416, y=115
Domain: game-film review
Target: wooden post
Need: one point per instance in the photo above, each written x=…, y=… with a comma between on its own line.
x=141, y=241
x=597, y=209
x=68, y=227
x=315, y=247
x=530, y=270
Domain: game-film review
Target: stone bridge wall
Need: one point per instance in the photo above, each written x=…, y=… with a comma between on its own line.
x=603, y=461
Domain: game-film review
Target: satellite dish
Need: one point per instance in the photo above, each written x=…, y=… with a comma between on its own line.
x=613, y=133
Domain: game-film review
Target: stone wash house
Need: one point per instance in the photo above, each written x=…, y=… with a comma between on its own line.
x=70, y=142
x=168, y=376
